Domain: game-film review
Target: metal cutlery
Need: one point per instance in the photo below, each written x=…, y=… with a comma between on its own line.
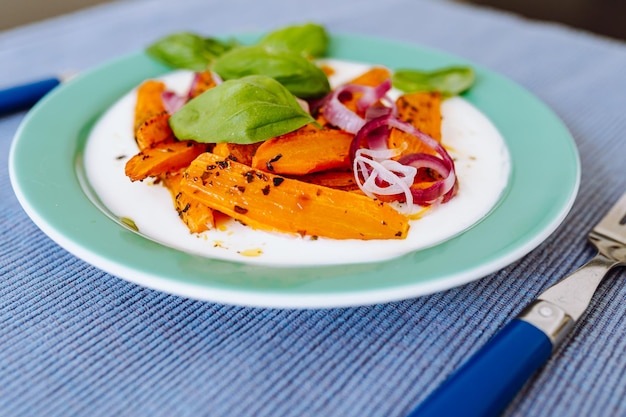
x=489, y=380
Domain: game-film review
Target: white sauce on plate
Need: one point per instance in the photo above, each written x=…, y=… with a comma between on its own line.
x=482, y=165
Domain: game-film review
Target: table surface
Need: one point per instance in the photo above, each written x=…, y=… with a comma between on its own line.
x=76, y=341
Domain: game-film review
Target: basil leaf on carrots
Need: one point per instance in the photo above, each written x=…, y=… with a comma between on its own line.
x=448, y=81
x=310, y=40
x=246, y=110
x=298, y=74
x=188, y=50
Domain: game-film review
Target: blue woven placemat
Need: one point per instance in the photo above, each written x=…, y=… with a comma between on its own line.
x=75, y=341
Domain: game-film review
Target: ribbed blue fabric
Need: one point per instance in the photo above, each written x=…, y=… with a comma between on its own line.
x=75, y=341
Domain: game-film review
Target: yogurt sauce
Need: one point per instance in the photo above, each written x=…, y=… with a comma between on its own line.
x=481, y=159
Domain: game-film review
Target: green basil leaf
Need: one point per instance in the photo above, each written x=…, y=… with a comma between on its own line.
x=449, y=81
x=188, y=50
x=245, y=110
x=298, y=74
x=310, y=40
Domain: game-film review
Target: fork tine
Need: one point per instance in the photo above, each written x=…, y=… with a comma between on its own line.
x=613, y=224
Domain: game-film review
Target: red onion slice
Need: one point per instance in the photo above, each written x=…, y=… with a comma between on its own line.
x=172, y=101
x=376, y=174
x=216, y=78
x=442, y=188
x=342, y=117
x=304, y=105
x=374, y=135
x=372, y=95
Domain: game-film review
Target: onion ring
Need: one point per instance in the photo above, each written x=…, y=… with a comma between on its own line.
x=342, y=117
x=373, y=135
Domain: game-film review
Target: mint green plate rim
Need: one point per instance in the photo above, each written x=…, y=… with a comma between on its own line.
x=45, y=166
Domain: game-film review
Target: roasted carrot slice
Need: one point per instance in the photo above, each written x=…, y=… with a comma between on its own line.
x=372, y=77
x=266, y=201
x=154, y=130
x=304, y=151
x=197, y=216
x=422, y=110
x=163, y=158
x=204, y=82
x=237, y=152
x=328, y=70
x=340, y=180
x=149, y=101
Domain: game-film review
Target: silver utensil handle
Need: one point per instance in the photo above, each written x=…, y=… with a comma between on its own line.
x=574, y=292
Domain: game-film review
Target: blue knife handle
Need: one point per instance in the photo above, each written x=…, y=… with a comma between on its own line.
x=23, y=97
x=485, y=384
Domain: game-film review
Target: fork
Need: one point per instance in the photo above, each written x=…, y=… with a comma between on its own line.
x=489, y=380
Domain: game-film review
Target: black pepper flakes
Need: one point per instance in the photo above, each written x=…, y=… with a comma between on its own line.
x=277, y=181
x=266, y=190
x=240, y=210
x=249, y=176
x=223, y=164
x=269, y=163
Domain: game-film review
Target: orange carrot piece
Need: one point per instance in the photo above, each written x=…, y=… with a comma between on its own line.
x=197, y=216
x=422, y=110
x=304, y=152
x=149, y=101
x=205, y=82
x=266, y=201
x=372, y=77
x=156, y=129
x=328, y=70
x=237, y=152
x=339, y=180
x=163, y=158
